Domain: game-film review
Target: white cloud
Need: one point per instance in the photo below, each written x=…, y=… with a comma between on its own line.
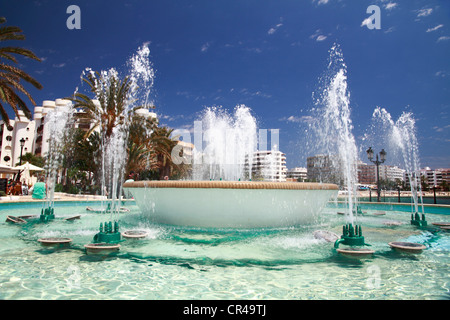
x=59, y=65
x=366, y=22
x=443, y=38
x=247, y=92
x=254, y=50
x=435, y=28
x=318, y=36
x=390, y=6
x=295, y=119
x=319, y=2
x=424, y=12
x=274, y=29
x=391, y=29
x=205, y=47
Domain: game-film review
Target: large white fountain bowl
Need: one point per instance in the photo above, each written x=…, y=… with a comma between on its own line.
x=231, y=204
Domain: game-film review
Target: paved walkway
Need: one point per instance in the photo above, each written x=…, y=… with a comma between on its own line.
x=59, y=196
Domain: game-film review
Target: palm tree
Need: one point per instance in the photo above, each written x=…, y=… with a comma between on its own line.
x=11, y=76
x=141, y=156
x=162, y=145
x=113, y=97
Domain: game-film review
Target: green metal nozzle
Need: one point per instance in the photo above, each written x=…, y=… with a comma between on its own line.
x=47, y=214
x=418, y=221
x=108, y=233
x=351, y=236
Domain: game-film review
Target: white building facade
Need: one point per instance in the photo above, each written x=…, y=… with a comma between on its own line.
x=298, y=174
x=269, y=166
x=10, y=139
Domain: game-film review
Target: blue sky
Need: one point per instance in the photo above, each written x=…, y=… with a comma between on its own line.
x=265, y=54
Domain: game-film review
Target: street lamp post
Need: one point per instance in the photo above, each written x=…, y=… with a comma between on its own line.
x=377, y=162
x=22, y=143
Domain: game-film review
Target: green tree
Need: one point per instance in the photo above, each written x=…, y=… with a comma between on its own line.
x=113, y=96
x=162, y=145
x=141, y=156
x=33, y=159
x=11, y=77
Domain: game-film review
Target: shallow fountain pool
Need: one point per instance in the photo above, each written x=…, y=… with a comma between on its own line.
x=181, y=263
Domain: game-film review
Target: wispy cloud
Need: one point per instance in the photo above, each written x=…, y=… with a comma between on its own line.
x=366, y=22
x=390, y=5
x=391, y=29
x=320, y=2
x=254, y=50
x=205, y=47
x=318, y=36
x=247, y=92
x=443, y=38
x=424, y=12
x=59, y=65
x=295, y=119
x=435, y=28
x=274, y=29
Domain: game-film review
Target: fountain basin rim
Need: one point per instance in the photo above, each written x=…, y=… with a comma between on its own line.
x=102, y=246
x=134, y=234
x=230, y=185
x=441, y=224
x=407, y=246
x=355, y=251
x=54, y=240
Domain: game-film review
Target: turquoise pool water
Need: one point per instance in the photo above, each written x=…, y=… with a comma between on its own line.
x=180, y=263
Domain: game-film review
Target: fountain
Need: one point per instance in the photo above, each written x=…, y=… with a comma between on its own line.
x=57, y=120
x=333, y=134
x=230, y=204
x=229, y=141
x=114, y=103
x=401, y=134
x=229, y=199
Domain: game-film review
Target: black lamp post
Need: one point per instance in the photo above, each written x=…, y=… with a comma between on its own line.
x=377, y=162
x=22, y=143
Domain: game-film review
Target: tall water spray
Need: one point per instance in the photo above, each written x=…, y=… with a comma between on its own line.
x=58, y=121
x=229, y=144
x=333, y=127
x=402, y=140
x=112, y=107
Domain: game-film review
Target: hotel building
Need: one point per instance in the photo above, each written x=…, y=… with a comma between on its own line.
x=297, y=174
x=10, y=137
x=269, y=166
x=36, y=132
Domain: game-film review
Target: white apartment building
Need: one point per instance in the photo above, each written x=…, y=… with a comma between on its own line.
x=36, y=132
x=42, y=133
x=298, y=174
x=437, y=177
x=269, y=165
x=10, y=139
x=367, y=174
